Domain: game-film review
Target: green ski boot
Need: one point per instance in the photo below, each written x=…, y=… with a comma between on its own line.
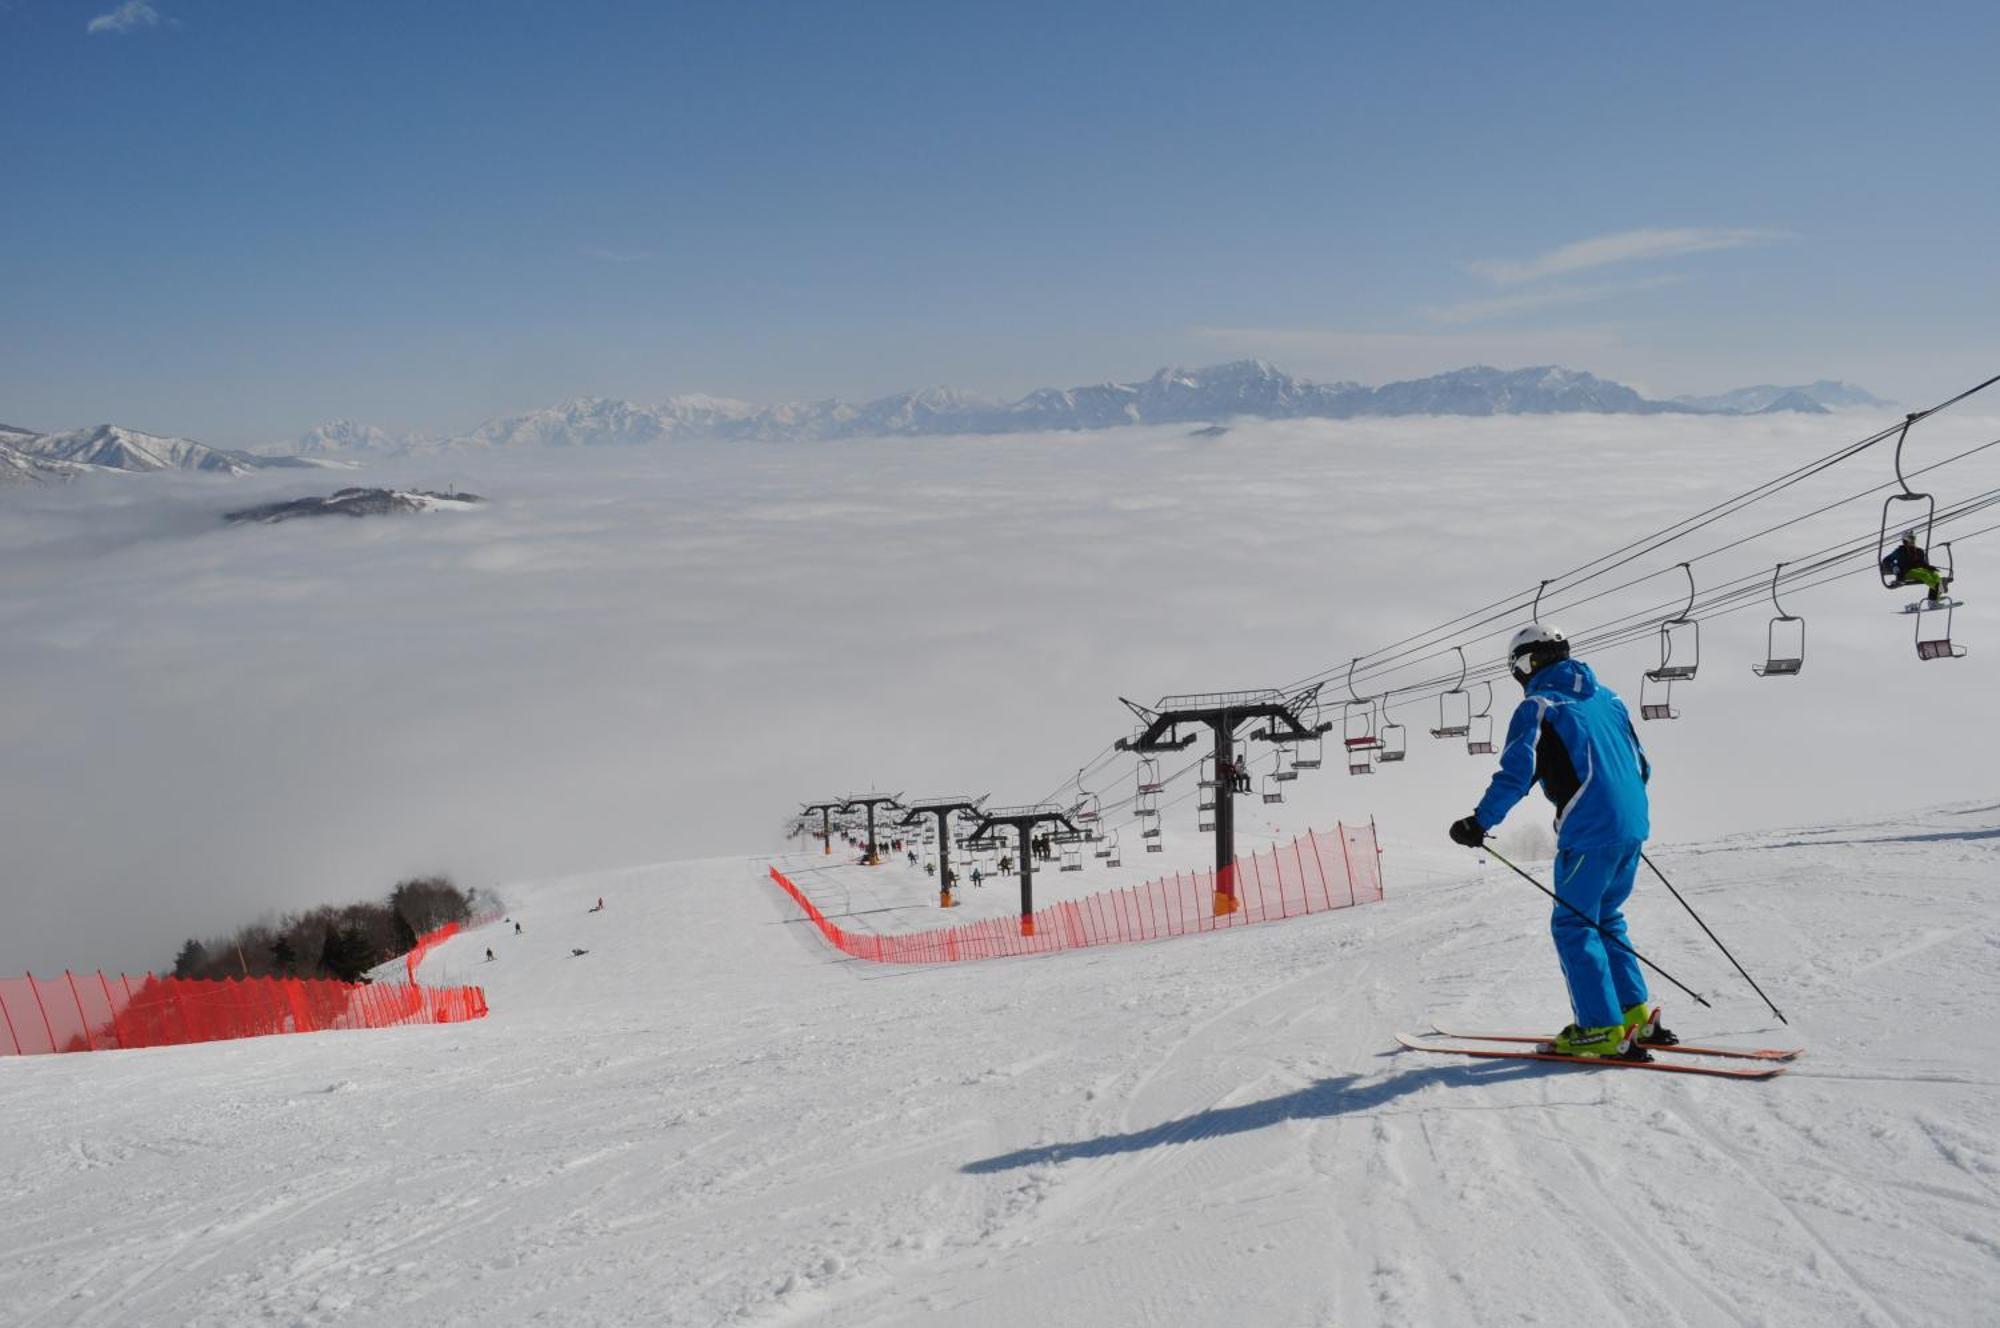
x=1613, y=1040
x=1642, y=1021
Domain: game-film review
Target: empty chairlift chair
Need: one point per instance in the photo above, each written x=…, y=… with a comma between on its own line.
x=1479, y=733
x=1656, y=699
x=1784, y=640
x=1274, y=788
x=1395, y=742
x=1939, y=644
x=1656, y=690
x=1454, y=706
x=1283, y=768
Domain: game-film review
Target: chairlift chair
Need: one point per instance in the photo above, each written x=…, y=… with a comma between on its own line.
x=1656, y=700
x=1785, y=664
x=1273, y=790
x=1072, y=858
x=1454, y=716
x=1357, y=717
x=1149, y=774
x=1309, y=753
x=1282, y=772
x=1361, y=761
x=1106, y=848
x=1150, y=832
x=1937, y=647
x=1205, y=775
x=1205, y=824
x=1681, y=627
x=1890, y=520
x=1479, y=731
x=1395, y=742
x=1357, y=724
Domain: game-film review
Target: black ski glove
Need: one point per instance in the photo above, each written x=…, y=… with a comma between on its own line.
x=1468, y=831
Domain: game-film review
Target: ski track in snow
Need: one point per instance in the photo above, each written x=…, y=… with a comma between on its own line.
x=712, y=1118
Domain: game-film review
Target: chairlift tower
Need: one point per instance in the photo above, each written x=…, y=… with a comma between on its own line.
x=1023, y=821
x=825, y=810
x=871, y=801
x=1222, y=714
x=944, y=809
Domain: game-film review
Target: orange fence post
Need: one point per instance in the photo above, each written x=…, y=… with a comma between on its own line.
x=90, y=1043
x=1341, y=828
x=11, y=1034
x=36, y=991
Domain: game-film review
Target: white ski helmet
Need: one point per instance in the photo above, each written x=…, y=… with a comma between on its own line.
x=1534, y=647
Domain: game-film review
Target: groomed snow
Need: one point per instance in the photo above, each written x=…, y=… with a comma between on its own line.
x=712, y=1118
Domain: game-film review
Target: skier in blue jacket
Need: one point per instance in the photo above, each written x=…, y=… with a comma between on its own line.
x=1573, y=736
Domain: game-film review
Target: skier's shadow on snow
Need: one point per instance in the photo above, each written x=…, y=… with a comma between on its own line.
x=1323, y=1098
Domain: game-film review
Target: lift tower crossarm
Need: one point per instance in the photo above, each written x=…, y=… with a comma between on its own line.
x=825, y=811
x=1023, y=821
x=871, y=801
x=1223, y=713
x=944, y=809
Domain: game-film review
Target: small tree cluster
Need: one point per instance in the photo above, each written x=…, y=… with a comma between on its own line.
x=331, y=941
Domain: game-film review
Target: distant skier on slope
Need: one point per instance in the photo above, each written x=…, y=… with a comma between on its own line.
x=1573, y=736
x=1910, y=564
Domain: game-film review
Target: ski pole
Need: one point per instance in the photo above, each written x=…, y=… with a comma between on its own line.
x=1713, y=937
x=1599, y=929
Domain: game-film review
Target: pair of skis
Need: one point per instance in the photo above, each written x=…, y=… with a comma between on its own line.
x=1770, y=1061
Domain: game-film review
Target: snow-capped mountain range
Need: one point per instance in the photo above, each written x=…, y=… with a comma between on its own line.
x=1172, y=396
x=29, y=457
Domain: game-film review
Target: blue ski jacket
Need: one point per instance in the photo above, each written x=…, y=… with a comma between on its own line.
x=1573, y=736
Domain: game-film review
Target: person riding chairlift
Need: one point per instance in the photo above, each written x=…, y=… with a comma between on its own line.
x=1911, y=566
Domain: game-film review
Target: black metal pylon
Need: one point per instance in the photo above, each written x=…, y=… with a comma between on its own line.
x=826, y=811
x=944, y=809
x=1223, y=713
x=871, y=801
x=1023, y=820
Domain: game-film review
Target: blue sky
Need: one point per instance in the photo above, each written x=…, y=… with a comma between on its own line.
x=233, y=220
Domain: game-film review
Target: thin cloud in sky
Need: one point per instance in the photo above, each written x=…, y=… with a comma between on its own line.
x=128, y=17
x=1621, y=247
x=1505, y=306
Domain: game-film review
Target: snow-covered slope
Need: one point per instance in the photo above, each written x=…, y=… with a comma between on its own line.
x=356, y=502
x=20, y=463
x=114, y=447
x=710, y=1118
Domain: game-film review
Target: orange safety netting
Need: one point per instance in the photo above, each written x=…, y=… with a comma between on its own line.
x=94, y=1012
x=430, y=940
x=1314, y=873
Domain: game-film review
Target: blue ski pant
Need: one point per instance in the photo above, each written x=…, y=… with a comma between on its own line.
x=1603, y=978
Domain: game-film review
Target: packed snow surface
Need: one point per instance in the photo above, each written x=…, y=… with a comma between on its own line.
x=710, y=1117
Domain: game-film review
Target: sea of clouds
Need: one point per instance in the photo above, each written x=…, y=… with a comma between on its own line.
x=657, y=653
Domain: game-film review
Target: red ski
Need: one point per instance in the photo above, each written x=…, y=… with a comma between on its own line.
x=1766, y=1071
x=1678, y=1049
